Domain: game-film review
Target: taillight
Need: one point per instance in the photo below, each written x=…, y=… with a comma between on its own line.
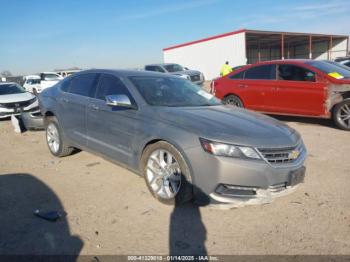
x=213, y=86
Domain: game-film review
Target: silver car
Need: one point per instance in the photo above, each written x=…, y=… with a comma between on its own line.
x=181, y=139
x=178, y=70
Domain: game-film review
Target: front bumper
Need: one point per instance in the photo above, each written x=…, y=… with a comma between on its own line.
x=5, y=113
x=233, y=180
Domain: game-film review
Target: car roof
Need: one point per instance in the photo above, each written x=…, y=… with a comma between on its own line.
x=8, y=83
x=284, y=61
x=125, y=73
x=161, y=64
x=32, y=77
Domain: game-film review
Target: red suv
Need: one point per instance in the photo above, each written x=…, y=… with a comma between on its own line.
x=290, y=87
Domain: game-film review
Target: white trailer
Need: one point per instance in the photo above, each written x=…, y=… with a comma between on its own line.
x=250, y=46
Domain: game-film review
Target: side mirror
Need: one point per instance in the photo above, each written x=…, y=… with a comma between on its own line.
x=119, y=101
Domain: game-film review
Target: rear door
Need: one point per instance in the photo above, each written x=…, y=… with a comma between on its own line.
x=297, y=91
x=111, y=130
x=258, y=80
x=73, y=104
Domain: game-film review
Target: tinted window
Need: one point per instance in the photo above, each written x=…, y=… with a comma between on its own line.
x=65, y=85
x=155, y=69
x=295, y=73
x=261, y=72
x=173, y=68
x=347, y=64
x=111, y=85
x=83, y=84
x=239, y=75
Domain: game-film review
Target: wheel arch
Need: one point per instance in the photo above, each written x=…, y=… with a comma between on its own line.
x=171, y=142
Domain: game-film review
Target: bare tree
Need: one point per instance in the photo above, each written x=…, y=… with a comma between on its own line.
x=6, y=73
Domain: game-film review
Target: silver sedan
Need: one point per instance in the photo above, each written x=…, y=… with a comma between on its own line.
x=180, y=138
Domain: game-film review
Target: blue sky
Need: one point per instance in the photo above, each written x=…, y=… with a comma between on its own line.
x=40, y=35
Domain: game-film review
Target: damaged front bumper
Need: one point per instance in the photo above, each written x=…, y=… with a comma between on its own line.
x=32, y=120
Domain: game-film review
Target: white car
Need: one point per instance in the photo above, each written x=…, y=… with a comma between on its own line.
x=32, y=83
x=14, y=100
x=49, y=79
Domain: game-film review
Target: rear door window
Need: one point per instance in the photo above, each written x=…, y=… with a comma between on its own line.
x=84, y=85
x=295, y=73
x=262, y=72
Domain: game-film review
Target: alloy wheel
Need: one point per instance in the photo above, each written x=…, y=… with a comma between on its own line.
x=163, y=174
x=53, y=139
x=344, y=115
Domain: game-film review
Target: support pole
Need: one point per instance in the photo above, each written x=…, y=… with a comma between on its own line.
x=259, y=55
x=310, y=46
x=330, y=46
x=282, y=46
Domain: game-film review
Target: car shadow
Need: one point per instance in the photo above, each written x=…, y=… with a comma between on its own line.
x=187, y=232
x=23, y=233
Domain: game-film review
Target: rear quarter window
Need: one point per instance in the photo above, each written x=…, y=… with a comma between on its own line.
x=262, y=72
x=239, y=75
x=84, y=85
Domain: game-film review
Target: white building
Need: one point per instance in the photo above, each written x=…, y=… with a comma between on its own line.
x=250, y=46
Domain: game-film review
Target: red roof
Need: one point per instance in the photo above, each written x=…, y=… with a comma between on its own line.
x=206, y=39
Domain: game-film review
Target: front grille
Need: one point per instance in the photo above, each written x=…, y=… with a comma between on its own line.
x=195, y=78
x=280, y=156
x=18, y=104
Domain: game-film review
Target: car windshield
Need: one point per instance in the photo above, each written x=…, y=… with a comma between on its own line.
x=33, y=81
x=330, y=69
x=51, y=77
x=173, y=92
x=173, y=68
x=338, y=64
x=9, y=89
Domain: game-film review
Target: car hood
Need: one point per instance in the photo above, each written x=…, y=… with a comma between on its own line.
x=186, y=72
x=231, y=125
x=16, y=97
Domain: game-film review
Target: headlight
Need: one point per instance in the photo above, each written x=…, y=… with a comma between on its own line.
x=184, y=76
x=31, y=101
x=220, y=149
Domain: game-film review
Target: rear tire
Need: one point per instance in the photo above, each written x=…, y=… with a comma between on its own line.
x=341, y=114
x=233, y=100
x=169, y=181
x=55, y=140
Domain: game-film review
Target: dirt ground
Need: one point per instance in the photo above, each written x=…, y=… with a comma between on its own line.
x=110, y=211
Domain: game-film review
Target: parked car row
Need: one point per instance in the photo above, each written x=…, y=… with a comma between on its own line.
x=37, y=83
x=184, y=141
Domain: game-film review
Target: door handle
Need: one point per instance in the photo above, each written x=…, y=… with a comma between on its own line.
x=65, y=100
x=94, y=107
x=242, y=86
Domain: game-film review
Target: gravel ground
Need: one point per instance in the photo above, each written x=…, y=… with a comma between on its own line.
x=110, y=211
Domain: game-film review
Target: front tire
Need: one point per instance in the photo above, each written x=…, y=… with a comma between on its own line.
x=166, y=174
x=233, y=100
x=54, y=139
x=341, y=114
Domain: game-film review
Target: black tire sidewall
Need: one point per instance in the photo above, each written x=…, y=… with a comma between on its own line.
x=233, y=97
x=185, y=193
x=336, y=114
